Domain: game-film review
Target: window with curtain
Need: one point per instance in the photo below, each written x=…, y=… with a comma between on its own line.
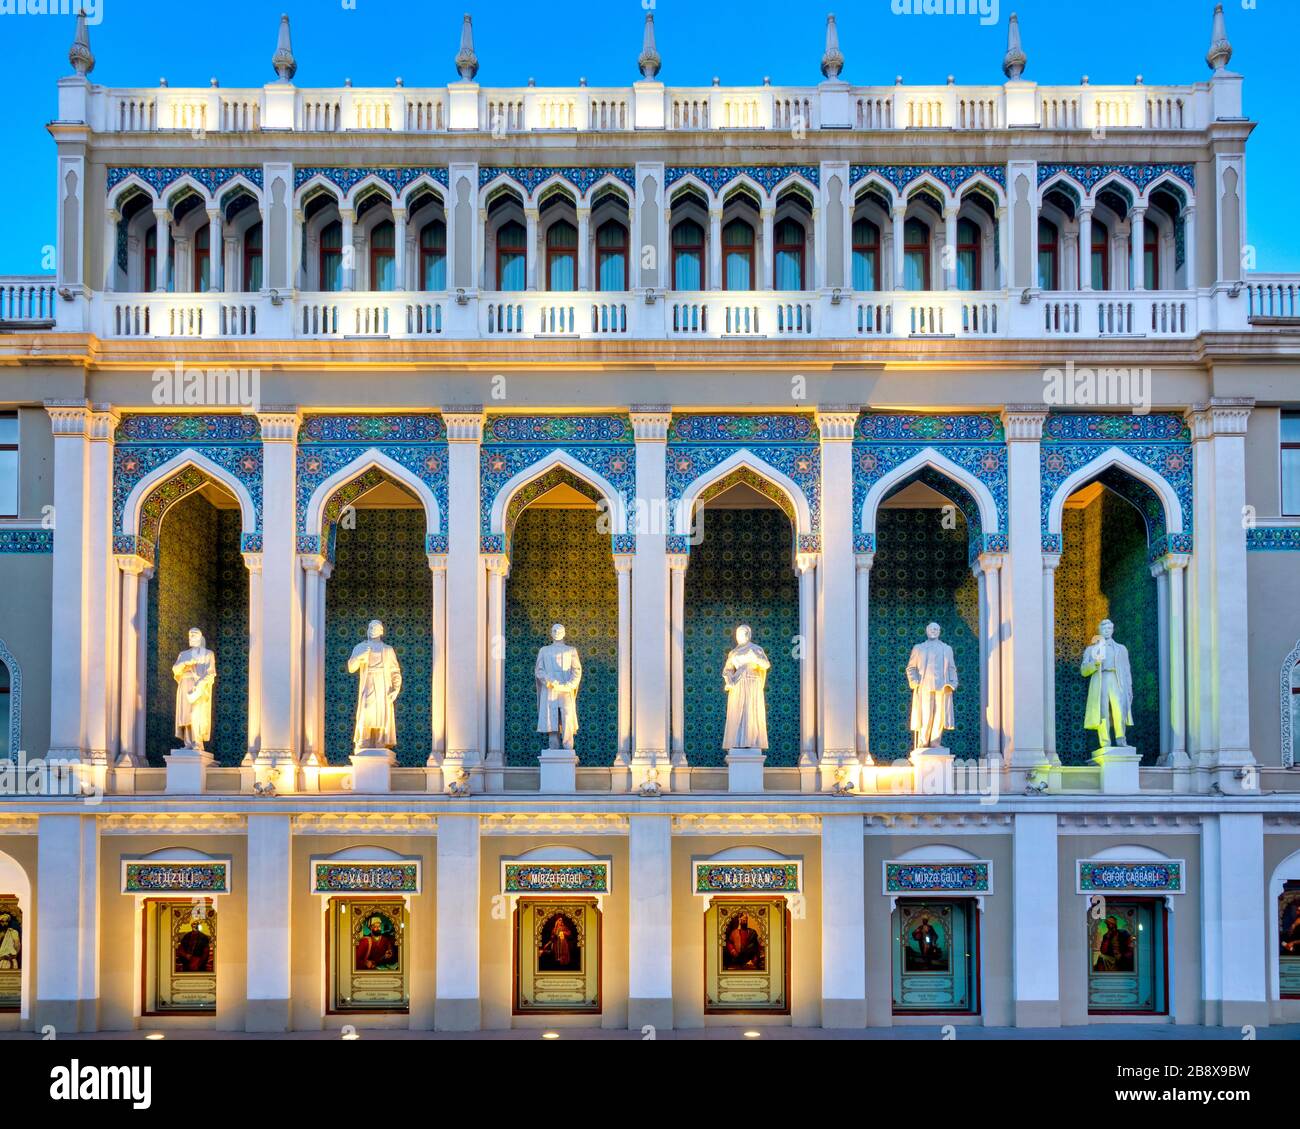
x=202, y=258
x=688, y=256
x=1151, y=255
x=151, y=259
x=916, y=256
x=1291, y=464
x=1100, y=256
x=331, y=256
x=9, y=464
x=562, y=256
x=968, y=255
x=1048, y=264
x=512, y=257
x=738, y=256
x=253, y=258
x=611, y=256
x=433, y=256
x=790, y=245
x=383, y=258
x=866, y=255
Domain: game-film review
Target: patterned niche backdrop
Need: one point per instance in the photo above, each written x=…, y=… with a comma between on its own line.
x=380, y=572
x=921, y=575
x=742, y=572
x=201, y=581
x=561, y=571
x=1104, y=574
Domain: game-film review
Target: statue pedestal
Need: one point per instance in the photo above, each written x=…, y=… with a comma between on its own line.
x=559, y=770
x=186, y=771
x=933, y=771
x=745, y=770
x=1119, y=770
x=372, y=770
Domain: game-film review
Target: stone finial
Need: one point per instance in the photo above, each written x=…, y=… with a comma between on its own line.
x=833, y=59
x=286, y=66
x=79, y=54
x=649, y=60
x=1013, y=62
x=466, y=60
x=1220, y=49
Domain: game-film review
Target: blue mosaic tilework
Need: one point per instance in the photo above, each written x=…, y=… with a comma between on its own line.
x=718, y=177
x=159, y=179
x=1266, y=539
x=531, y=178
x=346, y=179
x=951, y=176
x=26, y=541
x=1140, y=176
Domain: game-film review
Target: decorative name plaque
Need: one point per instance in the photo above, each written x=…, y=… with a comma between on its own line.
x=748, y=877
x=176, y=877
x=365, y=877
x=973, y=877
x=1164, y=877
x=556, y=877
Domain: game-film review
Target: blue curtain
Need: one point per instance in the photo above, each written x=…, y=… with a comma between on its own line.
x=966, y=279
x=512, y=271
x=864, y=270
x=385, y=273
x=789, y=271
x=738, y=272
x=687, y=271
x=332, y=271
x=613, y=272
x=914, y=270
x=563, y=273
x=435, y=272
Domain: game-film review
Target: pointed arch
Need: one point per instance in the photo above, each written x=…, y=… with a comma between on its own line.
x=15, y=880
x=1290, y=665
x=610, y=181
x=1116, y=457
x=367, y=184
x=979, y=182
x=1288, y=870
x=742, y=183
x=372, y=459
x=947, y=197
x=421, y=183
x=193, y=460
x=15, y=699
x=1062, y=178
x=874, y=181
x=990, y=520
x=1172, y=183
x=558, y=457
x=315, y=184
x=130, y=183
x=1118, y=182
x=186, y=183
x=729, y=472
x=691, y=181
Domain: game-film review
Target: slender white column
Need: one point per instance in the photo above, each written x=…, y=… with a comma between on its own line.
x=111, y=219
x=313, y=664
x=1004, y=248
x=270, y=850
x=101, y=595
x=134, y=580
x=650, y=613
x=818, y=253
x=348, y=219
x=1161, y=576
x=497, y=566
x=584, y=249
x=983, y=635
x=950, y=248
x=299, y=244
x=533, y=252
x=216, y=267
x=1177, y=665
x=1050, y=562
x=162, y=227
x=898, y=213
x=1022, y=590
x=623, y=572
x=715, y=249
x=1189, y=247
x=1085, y=248
x=458, y=1005
x=806, y=569
x=438, y=691
x=991, y=566
x=767, y=279
x=1035, y=925
x=1137, y=236
x=67, y=939
x=837, y=616
x=400, y=281
x=864, y=563
x=253, y=562
x=650, y=923
x=844, y=918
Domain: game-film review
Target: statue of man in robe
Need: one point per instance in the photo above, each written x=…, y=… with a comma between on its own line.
x=558, y=672
x=932, y=675
x=744, y=676
x=195, y=671
x=381, y=682
x=1110, y=687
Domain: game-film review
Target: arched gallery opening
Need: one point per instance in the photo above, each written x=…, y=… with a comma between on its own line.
x=200, y=580
x=561, y=571
x=741, y=571
x=921, y=575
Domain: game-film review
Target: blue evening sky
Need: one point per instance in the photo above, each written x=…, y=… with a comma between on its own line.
x=372, y=42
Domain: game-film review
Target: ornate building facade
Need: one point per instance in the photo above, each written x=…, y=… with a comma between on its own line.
x=832, y=362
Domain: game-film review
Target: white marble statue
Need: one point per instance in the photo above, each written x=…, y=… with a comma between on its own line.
x=1110, y=687
x=744, y=676
x=932, y=676
x=195, y=671
x=381, y=682
x=558, y=671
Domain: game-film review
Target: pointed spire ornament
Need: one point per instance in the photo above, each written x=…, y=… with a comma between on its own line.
x=1013, y=62
x=466, y=60
x=833, y=59
x=1220, y=49
x=80, y=55
x=649, y=60
x=286, y=66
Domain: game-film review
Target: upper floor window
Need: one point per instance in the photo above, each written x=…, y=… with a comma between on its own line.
x=562, y=256
x=202, y=259
x=9, y=464
x=1291, y=464
x=151, y=259
x=512, y=256
x=611, y=256
x=331, y=256
x=253, y=258
x=433, y=256
x=738, y=256
x=968, y=255
x=1049, y=266
x=916, y=256
x=1151, y=256
x=383, y=259
x=866, y=255
x=790, y=246
x=1100, y=256
x=688, y=256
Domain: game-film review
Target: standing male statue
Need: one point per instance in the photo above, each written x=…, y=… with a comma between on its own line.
x=195, y=672
x=558, y=672
x=1110, y=687
x=381, y=682
x=744, y=676
x=932, y=675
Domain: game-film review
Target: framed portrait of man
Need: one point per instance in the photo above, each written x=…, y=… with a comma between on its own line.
x=936, y=956
x=1127, y=969
x=180, y=957
x=746, y=956
x=557, y=956
x=11, y=954
x=367, y=955
x=1288, y=940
